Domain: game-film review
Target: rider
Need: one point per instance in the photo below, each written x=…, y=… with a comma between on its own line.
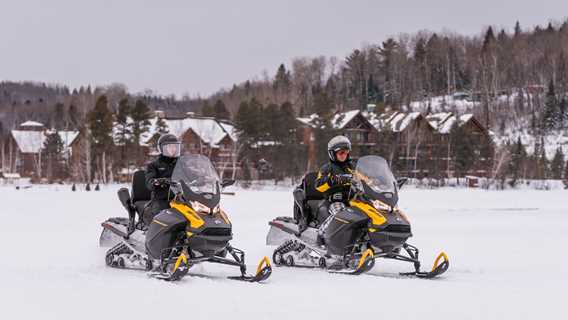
x=334, y=178
x=158, y=173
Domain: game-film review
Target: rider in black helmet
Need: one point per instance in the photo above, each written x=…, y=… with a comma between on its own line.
x=334, y=177
x=158, y=173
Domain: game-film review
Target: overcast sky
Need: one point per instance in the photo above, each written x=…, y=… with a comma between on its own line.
x=197, y=47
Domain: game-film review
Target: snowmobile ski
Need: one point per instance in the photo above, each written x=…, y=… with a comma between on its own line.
x=263, y=271
x=437, y=269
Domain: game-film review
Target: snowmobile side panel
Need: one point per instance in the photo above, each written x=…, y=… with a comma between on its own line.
x=163, y=230
x=344, y=231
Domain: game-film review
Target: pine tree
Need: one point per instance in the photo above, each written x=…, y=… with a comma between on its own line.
x=74, y=120
x=463, y=150
x=141, y=116
x=282, y=81
x=557, y=165
x=563, y=113
x=518, y=30
x=100, y=123
x=518, y=158
x=53, y=150
x=550, y=118
x=207, y=109
x=566, y=175
x=123, y=127
x=58, y=120
x=489, y=40
x=220, y=110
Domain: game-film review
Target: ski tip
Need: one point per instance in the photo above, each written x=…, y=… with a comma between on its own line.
x=443, y=258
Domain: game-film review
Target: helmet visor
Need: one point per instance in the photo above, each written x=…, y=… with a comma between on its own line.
x=342, y=147
x=171, y=150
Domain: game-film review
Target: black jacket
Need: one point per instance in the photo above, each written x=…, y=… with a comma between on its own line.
x=326, y=180
x=162, y=167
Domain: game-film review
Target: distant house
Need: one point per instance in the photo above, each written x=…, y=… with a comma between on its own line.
x=25, y=145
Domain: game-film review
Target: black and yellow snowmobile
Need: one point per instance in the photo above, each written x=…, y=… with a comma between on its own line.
x=349, y=241
x=195, y=229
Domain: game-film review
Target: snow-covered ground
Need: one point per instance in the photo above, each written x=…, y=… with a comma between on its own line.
x=506, y=248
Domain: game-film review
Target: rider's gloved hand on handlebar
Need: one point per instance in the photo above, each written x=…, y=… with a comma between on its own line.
x=161, y=182
x=342, y=179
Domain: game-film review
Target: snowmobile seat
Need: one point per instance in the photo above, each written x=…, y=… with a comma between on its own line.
x=140, y=194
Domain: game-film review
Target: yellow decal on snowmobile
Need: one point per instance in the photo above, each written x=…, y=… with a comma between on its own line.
x=440, y=256
x=376, y=217
x=159, y=222
x=367, y=253
x=181, y=258
x=189, y=234
x=372, y=230
x=263, y=262
x=194, y=219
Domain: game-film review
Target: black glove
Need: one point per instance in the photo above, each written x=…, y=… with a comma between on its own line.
x=343, y=179
x=161, y=182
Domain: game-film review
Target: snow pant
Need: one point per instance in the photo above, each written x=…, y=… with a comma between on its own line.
x=153, y=208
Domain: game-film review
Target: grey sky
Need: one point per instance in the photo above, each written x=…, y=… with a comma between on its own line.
x=200, y=46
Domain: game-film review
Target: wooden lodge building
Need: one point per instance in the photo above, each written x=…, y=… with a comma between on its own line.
x=415, y=145
x=22, y=154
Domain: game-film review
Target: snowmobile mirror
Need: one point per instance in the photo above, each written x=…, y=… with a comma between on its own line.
x=227, y=182
x=124, y=197
x=400, y=182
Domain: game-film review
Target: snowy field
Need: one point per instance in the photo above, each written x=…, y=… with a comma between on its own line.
x=506, y=253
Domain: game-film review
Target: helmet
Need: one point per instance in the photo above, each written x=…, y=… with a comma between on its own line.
x=337, y=143
x=169, y=146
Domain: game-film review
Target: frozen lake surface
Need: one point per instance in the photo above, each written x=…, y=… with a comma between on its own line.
x=506, y=252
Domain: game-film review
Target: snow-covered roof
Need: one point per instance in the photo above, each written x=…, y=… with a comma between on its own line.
x=340, y=120
x=396, y=121
x=230, y=129
x=32, y=141
x=311, y=120
x=31, y=124
x=444, y=121
x=29, y=141
x=209, y=130
x=67, y=137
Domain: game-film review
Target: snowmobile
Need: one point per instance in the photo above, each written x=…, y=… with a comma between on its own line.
x=193, y=230
x=371, y=226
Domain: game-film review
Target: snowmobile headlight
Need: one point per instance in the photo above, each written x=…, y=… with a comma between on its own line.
x=200, y=207
x=381, y=206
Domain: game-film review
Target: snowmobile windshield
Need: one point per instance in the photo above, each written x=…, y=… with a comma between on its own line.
x=376, y=180
x=197, y=175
